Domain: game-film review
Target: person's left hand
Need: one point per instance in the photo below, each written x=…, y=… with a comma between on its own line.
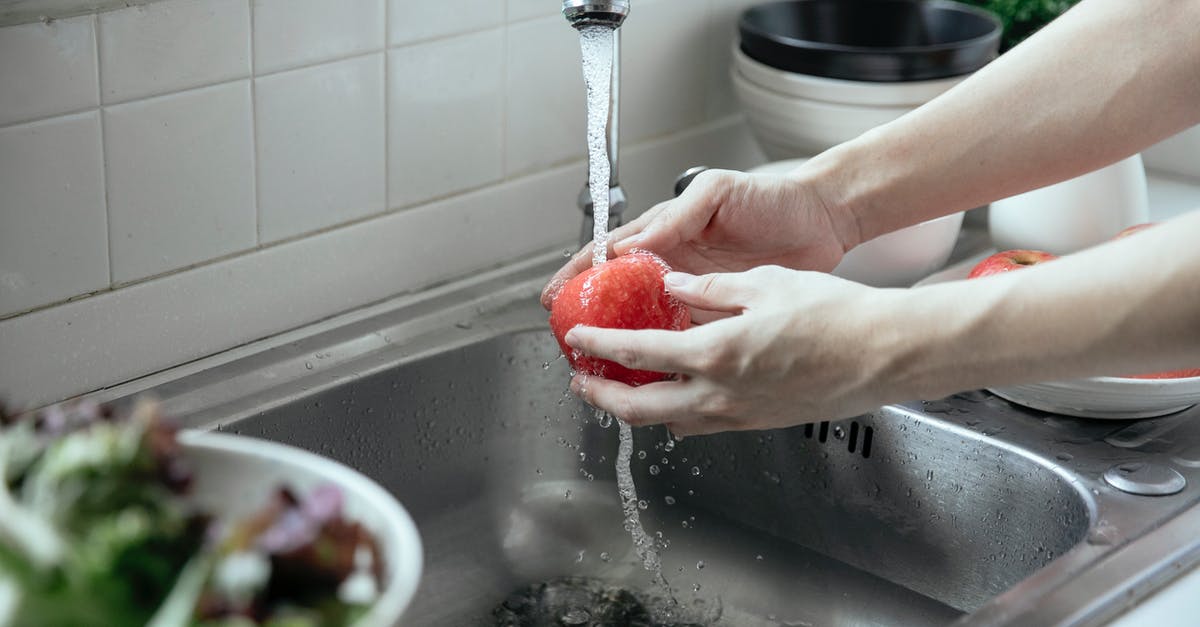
x=798, y=347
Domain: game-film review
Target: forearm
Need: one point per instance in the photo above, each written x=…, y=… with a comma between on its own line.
x=1104, y=81
x=1126, y=307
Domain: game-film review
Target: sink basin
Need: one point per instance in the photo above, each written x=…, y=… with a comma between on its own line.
x=966, y=509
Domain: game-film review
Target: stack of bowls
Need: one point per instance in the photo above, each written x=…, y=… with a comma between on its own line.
x=810, y=74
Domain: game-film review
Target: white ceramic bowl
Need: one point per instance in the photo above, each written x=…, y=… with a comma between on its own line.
x=234, y=475
x=896, y=259
x=1115, y=398
x=839, y=91
x=792, y=126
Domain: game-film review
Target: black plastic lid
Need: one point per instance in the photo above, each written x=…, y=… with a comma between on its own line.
x=871, y=40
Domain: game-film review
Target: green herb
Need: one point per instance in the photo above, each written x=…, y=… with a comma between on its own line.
x=1022, y=18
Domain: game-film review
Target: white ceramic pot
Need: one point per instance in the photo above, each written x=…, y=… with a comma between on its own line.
x=896, y=259
x=1074, y=214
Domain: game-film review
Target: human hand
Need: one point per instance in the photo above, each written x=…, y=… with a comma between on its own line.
x=728, y=222
x=797, y=347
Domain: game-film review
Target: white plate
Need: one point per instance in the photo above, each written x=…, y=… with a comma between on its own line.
x=1109, y=398
x=233, y=476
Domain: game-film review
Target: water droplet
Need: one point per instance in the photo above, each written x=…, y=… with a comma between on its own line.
x=643, y=504
x=758, y=557
x=695, y=471
x=545, y=365
x=582, y=456
x=308, y=365
x=700, y=565
x=1065, y=457
x=685, y=526
x=539, y=470
x=567, y=494
x=670, y=500
x=579, y=558
x=604, y=557
x=641, y=454
x=695, y=587
x=669, y=446
x=654, y=470
x=604, y=419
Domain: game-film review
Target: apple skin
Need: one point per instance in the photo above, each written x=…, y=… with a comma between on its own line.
x=625, y=292
x=1009, y=260
x=1133, y=229
x=1170, y=374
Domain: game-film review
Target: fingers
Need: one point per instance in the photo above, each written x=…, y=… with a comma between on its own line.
x=723, y=292
x=645, y=349
x=680, y=220
x=649, y=404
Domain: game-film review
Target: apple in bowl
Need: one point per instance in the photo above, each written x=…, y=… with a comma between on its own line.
x=1009, y=260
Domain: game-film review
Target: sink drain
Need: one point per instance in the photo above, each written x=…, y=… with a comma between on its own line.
x=577, y=602
x=1145, y=479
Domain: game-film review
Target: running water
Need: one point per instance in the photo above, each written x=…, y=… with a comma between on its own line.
x=596, y=43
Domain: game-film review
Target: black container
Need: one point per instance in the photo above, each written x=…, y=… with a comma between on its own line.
x=871, y=40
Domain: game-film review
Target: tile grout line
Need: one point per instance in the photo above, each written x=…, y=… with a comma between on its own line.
x=504, y=97
x=108, y=222
x=387, y=109
x=254, y=169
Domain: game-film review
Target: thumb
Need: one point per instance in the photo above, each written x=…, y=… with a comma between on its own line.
x=727, y=292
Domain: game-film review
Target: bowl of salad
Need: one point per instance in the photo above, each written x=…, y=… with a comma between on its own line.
x=123, y=519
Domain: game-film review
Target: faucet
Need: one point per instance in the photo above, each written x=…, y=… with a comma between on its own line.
x=610, y=13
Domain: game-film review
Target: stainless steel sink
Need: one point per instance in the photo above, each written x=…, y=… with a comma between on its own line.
x=964, y=509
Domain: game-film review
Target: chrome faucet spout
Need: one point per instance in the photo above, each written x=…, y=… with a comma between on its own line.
x=582, y=13
x=611, y=13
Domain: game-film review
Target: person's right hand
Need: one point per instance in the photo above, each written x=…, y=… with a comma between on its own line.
x=729, y=222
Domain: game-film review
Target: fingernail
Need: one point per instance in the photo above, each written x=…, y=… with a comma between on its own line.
x=571, y=337
x=677, y=279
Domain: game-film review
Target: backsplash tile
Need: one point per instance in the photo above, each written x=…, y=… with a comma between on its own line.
x=261, y=151
x=294, y=33
x=414, y=20
x=544, y=95
x=172, y=45
x=663, y=74
x=180, y=179
x=321, y=143
x=723, y=35
x=445, y=108
x=47, y=69
x=519, y=10
x=52, y=217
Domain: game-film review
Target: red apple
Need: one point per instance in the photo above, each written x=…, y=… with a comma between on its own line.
x=1170, y=374
x=623, y=293
x=1133, y=229
x=1009, y=260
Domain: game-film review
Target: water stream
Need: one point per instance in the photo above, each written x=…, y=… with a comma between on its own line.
x=596, y=43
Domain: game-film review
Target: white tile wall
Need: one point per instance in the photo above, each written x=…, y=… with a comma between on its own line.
x=215, y=163
x=180, y=179
x=52, y=220
x=529, y=9
x=411, y=21
x=545, y=95
x=321, y=144
x=47, y=69
x=446, y=108
x=665, y=53
x=292, y=33
x=171, y=45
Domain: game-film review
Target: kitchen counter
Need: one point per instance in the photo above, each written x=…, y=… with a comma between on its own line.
x=1177, y=603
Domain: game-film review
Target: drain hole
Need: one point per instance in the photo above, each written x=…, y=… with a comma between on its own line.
x=824, y=433
x=867, y=433
x=853, y=437
x=808, y=430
